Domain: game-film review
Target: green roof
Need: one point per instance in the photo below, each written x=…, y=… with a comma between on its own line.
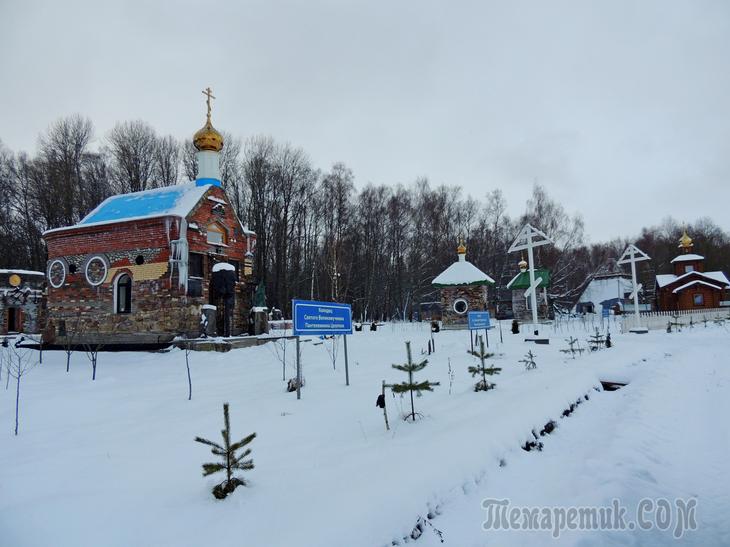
x=522, y=279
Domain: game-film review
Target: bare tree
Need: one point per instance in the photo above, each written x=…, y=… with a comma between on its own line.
x=167, y=161
x=20, y=362
x=133, y=148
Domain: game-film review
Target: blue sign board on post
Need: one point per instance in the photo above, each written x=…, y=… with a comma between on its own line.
x=321, y=318
x=605, y=312
x=479, y=320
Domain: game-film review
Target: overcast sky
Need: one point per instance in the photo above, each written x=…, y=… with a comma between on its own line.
x=620, y=108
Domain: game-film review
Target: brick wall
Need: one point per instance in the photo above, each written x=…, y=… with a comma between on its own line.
x=141, y=249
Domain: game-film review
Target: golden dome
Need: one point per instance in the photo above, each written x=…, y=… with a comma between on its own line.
x=207, y=138
x=522, y=264
x=685, y=242
x=461, y=249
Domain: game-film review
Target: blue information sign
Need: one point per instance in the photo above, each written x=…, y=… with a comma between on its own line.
x=605, y=312
x=319, y=318
x=479, y=320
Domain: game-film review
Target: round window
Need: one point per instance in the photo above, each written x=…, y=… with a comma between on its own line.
x=57, y=273
x=460, y=306
x=96, y=271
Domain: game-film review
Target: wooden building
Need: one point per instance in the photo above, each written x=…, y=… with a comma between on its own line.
x=690, y=287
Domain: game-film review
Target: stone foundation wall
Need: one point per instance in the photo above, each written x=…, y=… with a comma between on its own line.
x=475, y=296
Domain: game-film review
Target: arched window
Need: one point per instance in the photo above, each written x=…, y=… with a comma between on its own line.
x=216, y=234
x=123, y=294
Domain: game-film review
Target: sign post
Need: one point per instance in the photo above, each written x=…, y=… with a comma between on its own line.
x=632, y=255
x=529, y=238
x=321, y=319
x=479, y=320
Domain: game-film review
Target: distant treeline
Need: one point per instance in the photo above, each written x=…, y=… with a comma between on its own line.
x=378, y=248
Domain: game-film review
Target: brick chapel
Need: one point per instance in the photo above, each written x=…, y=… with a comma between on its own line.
x=140, y=268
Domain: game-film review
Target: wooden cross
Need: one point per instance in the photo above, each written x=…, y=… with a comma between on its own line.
x=209, y=94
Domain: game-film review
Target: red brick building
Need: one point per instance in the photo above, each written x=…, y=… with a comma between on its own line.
x=138, y=269
x=690, y=287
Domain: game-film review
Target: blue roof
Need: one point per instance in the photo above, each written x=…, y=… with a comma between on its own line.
x=172, y=200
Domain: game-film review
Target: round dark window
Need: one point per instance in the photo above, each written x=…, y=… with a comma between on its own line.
x=139, y=260
x=460, y=306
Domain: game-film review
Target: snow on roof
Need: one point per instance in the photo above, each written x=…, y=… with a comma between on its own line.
x=22, y=272
x=221, y=266
x=605, y=289
x=662, y=280
x=695, y=282
x=176, y=200
x=462, y=273
x=687, y=258
x=169, y=201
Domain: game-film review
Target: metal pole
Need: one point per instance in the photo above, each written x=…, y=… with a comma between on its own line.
x=347, y=370
x=471, y=340
x=299, y=370
x=487, y=336
x=533, y=296
x=636, y=288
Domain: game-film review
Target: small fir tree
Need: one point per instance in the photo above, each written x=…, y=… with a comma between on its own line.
x=596, y=341
x=529, y=361
x=231, y=461
x=410, y=386
x=482, y=368
x=574, y=347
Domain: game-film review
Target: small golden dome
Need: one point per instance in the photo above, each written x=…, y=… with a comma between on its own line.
x=522, y=264
x=207, y=138
x=685, y=242
x=461, y=249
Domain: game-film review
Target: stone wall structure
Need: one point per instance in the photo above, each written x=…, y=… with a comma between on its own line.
x=21, y=301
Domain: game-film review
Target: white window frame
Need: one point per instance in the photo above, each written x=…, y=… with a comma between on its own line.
x=63, y=266
x=86, y=270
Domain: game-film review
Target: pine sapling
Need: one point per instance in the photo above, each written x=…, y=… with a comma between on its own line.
x=410, y=386
x=596, y=341
x=230, y=461
x=529, y=361
x=482, y=368
x=573, y=347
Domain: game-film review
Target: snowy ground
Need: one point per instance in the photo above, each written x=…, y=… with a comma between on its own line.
x=113, y=462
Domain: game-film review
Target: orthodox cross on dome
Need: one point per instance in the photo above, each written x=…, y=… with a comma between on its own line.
x=209, y=94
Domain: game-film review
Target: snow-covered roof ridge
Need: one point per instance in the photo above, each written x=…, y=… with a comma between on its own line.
x=462, y=273
x=663, y=280
x=695, y=282
x=21, y=272
x=689, y=257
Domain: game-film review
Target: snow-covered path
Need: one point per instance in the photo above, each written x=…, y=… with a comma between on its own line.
x=663, y=436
